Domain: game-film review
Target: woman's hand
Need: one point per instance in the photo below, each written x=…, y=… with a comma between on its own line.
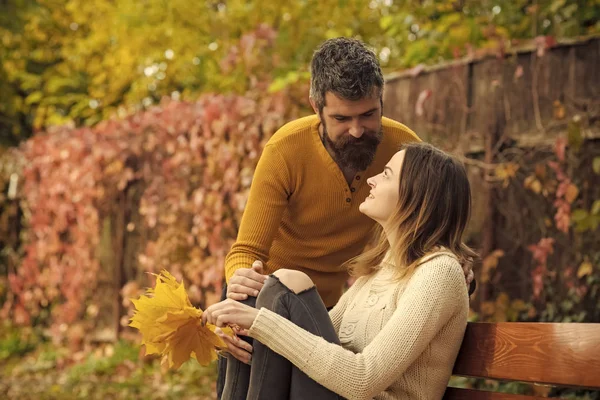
x=230, y=313
x=237, y=347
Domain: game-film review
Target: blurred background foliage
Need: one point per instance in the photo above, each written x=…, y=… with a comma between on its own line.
x=75, y=61
x=130, y=130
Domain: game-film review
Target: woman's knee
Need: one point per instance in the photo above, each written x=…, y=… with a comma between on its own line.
x=296, y=281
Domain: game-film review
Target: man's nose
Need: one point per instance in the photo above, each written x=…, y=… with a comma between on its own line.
x=356, y=130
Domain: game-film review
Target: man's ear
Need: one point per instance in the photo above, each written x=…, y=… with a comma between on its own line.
x=314, y=107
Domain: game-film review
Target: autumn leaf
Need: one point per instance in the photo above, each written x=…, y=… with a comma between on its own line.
x=506, y=171
x=563, y=215
x=558, y=110
x=167, y=296
x=585, y=269
x=596, y=165
x=533, y=184
x=489, y=264
x=542, y=249
x=518, y=72
x=189, y=339
x=114, y=168
x=595, y=208
x=419, y=105
x=560, y=147
x=571, y=193
x=172, y=327
x=537, y=280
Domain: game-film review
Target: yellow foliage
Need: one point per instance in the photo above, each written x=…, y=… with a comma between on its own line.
x=489, y=264
x=585, y=269
x=519, y=305
x=558, y=110
x=532, y=183
x=506, y=171
x=172, y=327
x=572, y=193
x=488, y=308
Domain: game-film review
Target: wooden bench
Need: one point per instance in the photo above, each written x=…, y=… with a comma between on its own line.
x=556, y=354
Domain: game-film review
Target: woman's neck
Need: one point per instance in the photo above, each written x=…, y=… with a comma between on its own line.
x=390, y=235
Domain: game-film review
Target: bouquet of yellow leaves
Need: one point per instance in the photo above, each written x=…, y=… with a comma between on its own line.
x=172, y=327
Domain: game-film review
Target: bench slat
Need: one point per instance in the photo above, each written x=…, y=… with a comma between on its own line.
x=469, y=394
x=565, y=354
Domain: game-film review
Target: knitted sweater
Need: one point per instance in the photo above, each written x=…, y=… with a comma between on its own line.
x=399, y=340
x=301, y=213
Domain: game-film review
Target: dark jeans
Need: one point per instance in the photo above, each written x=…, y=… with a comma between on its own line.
x=272, y=376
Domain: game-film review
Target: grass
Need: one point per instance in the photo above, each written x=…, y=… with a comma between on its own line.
x=31, y=369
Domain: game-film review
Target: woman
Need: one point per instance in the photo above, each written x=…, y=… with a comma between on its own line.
x=396, y=332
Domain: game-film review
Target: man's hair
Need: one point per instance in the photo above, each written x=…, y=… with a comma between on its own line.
x=345, y=67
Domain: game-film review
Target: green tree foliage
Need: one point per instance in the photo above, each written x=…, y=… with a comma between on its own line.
x=431, y=31
x=79, y=61
x=75, y=61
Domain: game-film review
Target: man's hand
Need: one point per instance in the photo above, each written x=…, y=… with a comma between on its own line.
x=246, y=282
x=469, y=277
x=237, y=347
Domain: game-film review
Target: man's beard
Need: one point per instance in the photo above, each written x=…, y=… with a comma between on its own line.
x=352, y=153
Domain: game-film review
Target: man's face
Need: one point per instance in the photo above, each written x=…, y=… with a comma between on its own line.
x=352, y=129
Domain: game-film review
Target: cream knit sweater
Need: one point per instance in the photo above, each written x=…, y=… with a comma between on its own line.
x=399, y=339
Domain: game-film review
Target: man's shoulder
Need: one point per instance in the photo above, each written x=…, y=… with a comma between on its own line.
x=398, y=132
x=297, y=130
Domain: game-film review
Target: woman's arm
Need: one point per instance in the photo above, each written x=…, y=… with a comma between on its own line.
x=433, y=295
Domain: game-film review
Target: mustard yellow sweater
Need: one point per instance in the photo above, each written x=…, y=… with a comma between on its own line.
x=399, y=340
x=301, y=213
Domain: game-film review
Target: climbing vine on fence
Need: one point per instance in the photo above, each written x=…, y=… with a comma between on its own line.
x=193, y=163
x=549, y=216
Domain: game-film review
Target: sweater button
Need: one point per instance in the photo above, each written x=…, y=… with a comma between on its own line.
x=353, y=190
x=372, y=300
x=348, y=329
x=348, y=200
x=357, y=178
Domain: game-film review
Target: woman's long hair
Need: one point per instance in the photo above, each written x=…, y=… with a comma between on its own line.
x=433, y=210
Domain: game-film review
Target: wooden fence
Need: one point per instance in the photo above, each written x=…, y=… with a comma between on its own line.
x=478, y=108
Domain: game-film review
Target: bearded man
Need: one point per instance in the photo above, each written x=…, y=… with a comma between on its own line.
x=302, y=211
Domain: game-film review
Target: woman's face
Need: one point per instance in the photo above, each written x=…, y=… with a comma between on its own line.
x=384, y=196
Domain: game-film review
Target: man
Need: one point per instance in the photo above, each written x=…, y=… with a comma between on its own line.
x=302, y=211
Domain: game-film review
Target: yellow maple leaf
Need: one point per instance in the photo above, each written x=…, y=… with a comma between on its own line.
x=167, y=296
x=191, y=340
x=172, y=327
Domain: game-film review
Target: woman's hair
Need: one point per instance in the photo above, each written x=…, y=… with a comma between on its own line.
x=433, y=211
